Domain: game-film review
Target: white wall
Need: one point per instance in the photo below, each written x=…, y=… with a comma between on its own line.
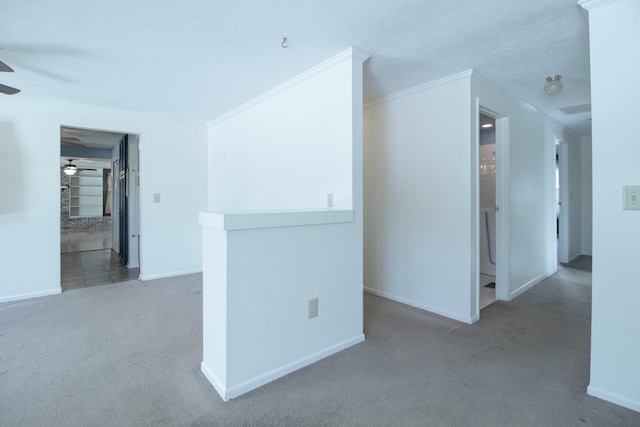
x=487, y=200
x=285, y=151
x=29, y=207
x=530, y=197
x=586, y=219
x=417, y=197
x=421, y=197
x=573, y=200
x=615, y=87
x=487, y=156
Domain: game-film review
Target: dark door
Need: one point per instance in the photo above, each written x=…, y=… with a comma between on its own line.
x=123, y=192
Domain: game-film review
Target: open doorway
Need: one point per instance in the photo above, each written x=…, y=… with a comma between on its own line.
x=87, y=183
x=562, y=205
x=487, y=209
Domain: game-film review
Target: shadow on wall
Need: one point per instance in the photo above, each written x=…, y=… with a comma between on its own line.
x=11, y=172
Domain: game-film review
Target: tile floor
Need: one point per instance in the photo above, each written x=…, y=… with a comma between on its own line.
x=93, y=268
x=84, y=240
x=87, y=260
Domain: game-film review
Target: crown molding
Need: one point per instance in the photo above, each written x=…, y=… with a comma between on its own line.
x=420, y=88
x=594, y=4
x=524, y=104
x=349, y=54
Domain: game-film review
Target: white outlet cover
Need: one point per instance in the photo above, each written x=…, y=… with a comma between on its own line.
x=631, y=199
x=313, y=308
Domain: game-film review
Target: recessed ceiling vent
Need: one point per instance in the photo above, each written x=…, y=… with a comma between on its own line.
x=576, y=109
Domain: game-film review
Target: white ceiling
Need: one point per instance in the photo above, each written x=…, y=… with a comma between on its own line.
x=200, y=58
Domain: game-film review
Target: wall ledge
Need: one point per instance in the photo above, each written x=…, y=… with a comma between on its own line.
x=247, y=220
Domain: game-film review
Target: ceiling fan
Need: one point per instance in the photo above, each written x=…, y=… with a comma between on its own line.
x=71, y=169
x=7, y=90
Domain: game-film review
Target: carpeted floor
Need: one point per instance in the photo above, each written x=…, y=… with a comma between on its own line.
x=582, y=263
x=129, y=355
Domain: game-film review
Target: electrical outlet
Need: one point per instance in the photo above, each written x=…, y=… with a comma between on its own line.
x=313, y=308
x=631, y=197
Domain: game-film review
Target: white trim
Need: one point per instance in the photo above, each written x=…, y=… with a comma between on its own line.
x=420, y=88
x=475, y=212
x=614, y=398
x=351, y=53
x=145, y=278
x=524, y=104
x=271, y=219
x=530, y=284
x=503, y=200
x=431, y=309
x=594, y=4
x=274, y=374
x=565, y=203
x=30, y=295
x=213, y=379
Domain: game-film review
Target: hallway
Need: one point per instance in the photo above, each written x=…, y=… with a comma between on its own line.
x=87, y=260
x=93, y=268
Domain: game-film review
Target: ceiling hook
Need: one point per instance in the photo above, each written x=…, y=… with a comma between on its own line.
x=284, y=43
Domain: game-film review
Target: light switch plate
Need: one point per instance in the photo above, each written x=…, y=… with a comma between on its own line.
x=631, y=197
x=313, y=308
x=156, y=197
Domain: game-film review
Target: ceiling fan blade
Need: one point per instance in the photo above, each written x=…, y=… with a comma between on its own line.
x=86, y=169
x=8, y=90
x=71, y=139
x=65, y=141
x=5, y=68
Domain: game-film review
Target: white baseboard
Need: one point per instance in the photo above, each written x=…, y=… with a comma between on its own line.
x=614, y=398
x=146, y=277
x=31, y=295
x=524, y=288
x=213, y=379
x=237, y=390
x=436, y=310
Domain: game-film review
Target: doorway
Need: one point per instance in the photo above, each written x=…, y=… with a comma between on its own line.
x=562, y=205
x=487, y=209
x=87, y=179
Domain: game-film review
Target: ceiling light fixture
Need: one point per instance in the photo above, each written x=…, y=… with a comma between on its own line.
x=554, y=85
x=70, y=169
x=487, y=125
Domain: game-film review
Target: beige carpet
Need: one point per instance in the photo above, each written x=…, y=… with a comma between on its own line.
x=129, y=354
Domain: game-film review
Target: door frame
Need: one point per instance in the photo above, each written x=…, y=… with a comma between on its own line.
x=502, y=205
x=562, y=149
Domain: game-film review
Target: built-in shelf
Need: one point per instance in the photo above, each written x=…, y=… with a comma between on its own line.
x=85, y=194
